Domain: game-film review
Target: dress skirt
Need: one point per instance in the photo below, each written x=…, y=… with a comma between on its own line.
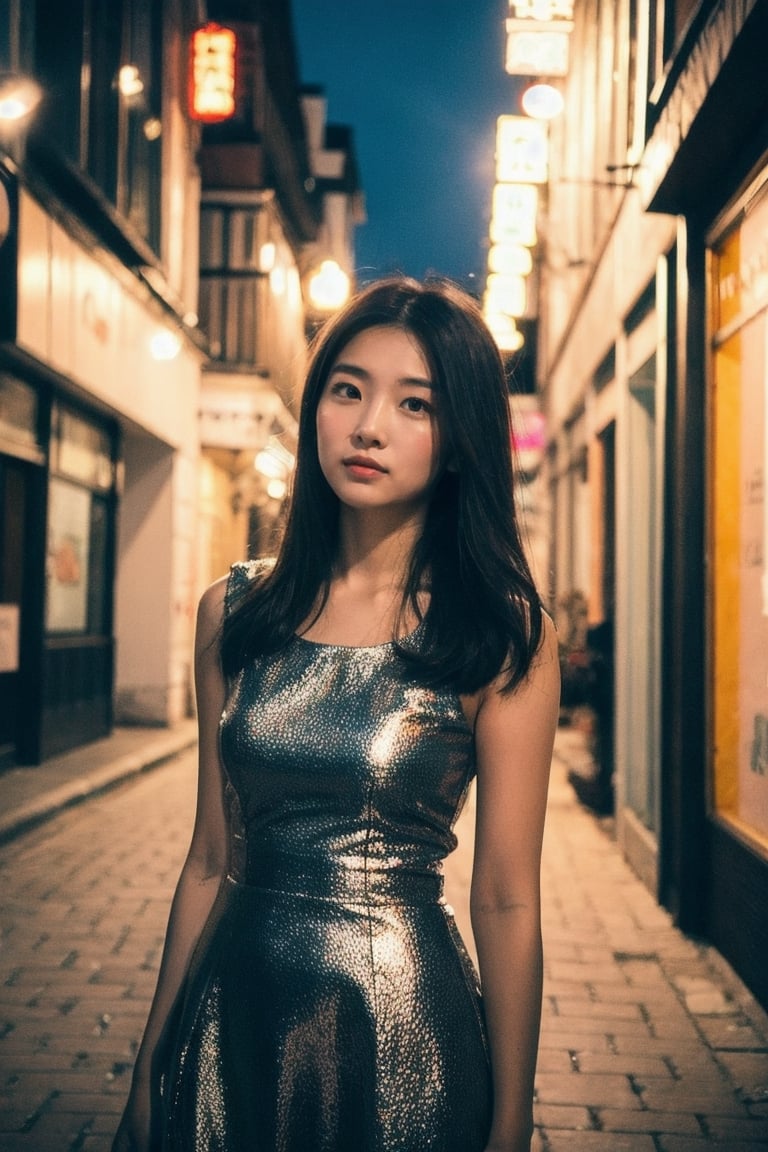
x=319, y=1025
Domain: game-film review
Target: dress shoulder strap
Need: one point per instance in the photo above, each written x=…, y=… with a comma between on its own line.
x=241, y=576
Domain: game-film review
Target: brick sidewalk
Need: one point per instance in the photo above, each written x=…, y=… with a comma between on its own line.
x=29, y=796
x=649, y=1043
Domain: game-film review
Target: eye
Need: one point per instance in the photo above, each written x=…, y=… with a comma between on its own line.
x=416, y=405
x=345, y=390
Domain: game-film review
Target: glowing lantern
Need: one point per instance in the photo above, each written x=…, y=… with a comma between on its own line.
x=212, y=74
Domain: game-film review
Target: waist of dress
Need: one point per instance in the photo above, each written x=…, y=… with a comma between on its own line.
x=369, y=882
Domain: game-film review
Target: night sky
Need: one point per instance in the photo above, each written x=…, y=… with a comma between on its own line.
x=421, y=83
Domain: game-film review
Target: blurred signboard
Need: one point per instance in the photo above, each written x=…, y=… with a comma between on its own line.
x=537, y=51
x=235, y=420
x=522, y=150
x=212, y=74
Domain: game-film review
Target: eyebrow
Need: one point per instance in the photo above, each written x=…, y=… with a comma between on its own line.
x=361, y=374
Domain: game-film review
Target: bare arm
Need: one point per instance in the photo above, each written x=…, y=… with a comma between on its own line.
x=201, y=877
x=514, y=734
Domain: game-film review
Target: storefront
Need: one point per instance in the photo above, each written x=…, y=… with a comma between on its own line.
x=98, y=491
x=738, y=584
x=58, y=468
x=655, y=338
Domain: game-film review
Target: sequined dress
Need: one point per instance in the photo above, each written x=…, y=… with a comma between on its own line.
x=331, y=1005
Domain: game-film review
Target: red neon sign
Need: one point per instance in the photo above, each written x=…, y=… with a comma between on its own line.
x=212, y=74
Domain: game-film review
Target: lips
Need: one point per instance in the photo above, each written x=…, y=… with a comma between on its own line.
x=363, y=465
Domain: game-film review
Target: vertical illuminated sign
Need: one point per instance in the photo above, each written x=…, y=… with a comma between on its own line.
x=212, y=74
x=522, y=150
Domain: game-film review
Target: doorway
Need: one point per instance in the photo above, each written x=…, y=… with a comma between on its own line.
x=17, y=590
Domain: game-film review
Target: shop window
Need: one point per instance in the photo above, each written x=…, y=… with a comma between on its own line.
x=78, y=569
x=739, y=526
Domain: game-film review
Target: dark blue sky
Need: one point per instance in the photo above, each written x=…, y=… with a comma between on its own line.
x=421, y=82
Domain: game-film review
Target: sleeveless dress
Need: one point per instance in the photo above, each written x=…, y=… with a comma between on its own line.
x=331, y=1005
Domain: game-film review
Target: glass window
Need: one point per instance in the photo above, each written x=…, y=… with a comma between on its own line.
x=78, y=569
x=67, y=569
x=80, y=449
x=99, y=568
x=100, y=64
x=100, y=132
x=739, y=526
x=18, y=411
x=59, y=44
x=141, y=120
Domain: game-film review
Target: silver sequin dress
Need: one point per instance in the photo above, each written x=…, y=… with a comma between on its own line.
x=331, y=1005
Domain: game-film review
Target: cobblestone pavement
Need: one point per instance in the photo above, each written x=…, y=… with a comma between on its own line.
x=649, y=1042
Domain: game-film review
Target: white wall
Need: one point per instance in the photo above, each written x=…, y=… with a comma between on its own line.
x=88, y=319
x=78, y=316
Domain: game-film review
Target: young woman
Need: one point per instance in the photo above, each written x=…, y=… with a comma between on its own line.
x=314, y=994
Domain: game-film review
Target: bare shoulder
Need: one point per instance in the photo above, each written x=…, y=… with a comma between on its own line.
x=541, y=683
x=543, y=676
x=210, y=612
x=212, y=600
x=545, y=666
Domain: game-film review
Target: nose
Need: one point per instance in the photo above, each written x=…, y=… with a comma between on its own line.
x=371, y=431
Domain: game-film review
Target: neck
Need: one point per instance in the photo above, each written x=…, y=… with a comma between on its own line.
x=377, y=549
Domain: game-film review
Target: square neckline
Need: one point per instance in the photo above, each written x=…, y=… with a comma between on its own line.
x=361, y=647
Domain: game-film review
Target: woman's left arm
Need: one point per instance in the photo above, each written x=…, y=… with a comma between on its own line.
x=514, y=738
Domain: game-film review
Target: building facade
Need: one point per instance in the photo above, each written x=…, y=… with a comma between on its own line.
x=99, y=373
x=652, y=360
x=152, y=344
x=277, y=206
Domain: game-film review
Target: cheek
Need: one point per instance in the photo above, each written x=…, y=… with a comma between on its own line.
x=430, y=451
x=325, y=426
x=330, y=438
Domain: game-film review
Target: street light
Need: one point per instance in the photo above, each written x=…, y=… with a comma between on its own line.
x=19, y=96
x=542, y=101
x=165, y=345
x=329, y=287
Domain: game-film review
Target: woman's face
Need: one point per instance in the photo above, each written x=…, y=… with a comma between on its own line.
x=377, y=422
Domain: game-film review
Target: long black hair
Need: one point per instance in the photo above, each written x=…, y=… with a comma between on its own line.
x=484, y=615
